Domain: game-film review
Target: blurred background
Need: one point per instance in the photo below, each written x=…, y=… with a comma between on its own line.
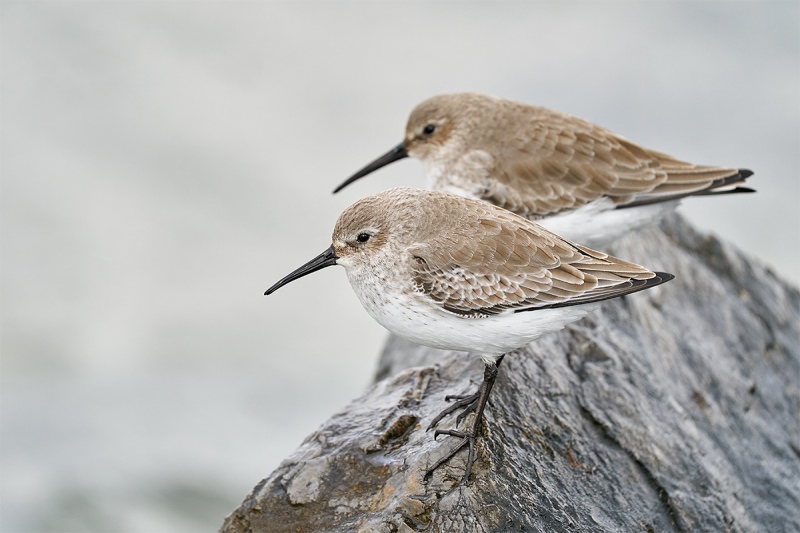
x=163, y=163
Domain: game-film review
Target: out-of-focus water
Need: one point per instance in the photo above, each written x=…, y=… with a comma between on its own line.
x=163, y=163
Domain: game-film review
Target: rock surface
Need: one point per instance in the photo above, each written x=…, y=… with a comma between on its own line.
x=674, y=409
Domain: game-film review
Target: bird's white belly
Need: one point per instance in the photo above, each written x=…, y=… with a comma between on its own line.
x=599, y=223
x=410, y=316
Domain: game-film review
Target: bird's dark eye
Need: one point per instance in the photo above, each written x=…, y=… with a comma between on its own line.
x=430, y=128
x=363, y=237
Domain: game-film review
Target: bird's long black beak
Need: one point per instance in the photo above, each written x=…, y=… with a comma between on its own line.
x=398, y=152
x=325, y=259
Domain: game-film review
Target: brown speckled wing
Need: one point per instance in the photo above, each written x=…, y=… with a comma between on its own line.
x=506, y=263
x=563, y=162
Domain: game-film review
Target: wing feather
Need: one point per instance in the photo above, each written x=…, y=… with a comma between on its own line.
x=500, y=262
x=565, y=162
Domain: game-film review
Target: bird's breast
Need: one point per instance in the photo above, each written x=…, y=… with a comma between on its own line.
x=465, y=174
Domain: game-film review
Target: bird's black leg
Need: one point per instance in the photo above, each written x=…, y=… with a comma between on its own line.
x=467, y=401
x=471, y=403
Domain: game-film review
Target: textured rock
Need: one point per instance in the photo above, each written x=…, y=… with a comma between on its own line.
x=675, y=409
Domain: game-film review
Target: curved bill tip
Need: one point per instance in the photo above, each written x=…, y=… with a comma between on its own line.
x=396, y=153
x=325, y=259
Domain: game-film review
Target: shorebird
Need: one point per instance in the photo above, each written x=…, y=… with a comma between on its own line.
x=577, y=179
x=461, y=274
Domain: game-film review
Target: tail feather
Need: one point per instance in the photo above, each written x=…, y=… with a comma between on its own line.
x=735, y=183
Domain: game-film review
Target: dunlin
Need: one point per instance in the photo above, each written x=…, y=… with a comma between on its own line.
x=461, y=274
x=577, y=179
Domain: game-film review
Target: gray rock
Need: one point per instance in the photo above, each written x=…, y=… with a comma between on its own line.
x=674, y=409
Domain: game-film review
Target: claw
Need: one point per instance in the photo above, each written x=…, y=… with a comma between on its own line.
x=469, y=401
x=451, y=397
x=450, y=432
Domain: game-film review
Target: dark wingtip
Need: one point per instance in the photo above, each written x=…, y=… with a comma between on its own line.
x=659, y=279
x=663, y=277
x=745, y=173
